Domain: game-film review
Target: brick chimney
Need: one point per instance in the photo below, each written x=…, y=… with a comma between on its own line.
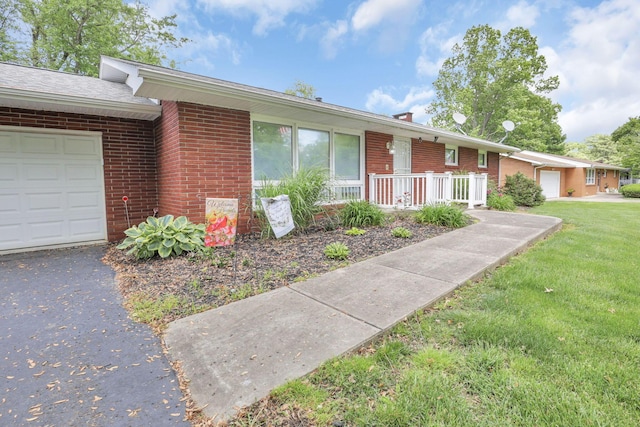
x=407, y=117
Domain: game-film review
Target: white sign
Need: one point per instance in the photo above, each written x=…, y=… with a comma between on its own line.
x=278, y=211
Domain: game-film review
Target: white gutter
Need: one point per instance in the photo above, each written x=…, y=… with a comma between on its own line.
x=252, y=94
x=55, y=102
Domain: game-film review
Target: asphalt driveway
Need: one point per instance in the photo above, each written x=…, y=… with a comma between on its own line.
x=69, y=355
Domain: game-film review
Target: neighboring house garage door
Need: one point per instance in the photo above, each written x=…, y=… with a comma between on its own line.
x=51, y=188
x=550, y=183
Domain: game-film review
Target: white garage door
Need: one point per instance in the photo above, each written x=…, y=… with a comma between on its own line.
x=550, y=183
x=51, y=188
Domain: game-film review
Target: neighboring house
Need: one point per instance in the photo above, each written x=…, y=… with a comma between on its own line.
x=557, y=174
x=73, y=147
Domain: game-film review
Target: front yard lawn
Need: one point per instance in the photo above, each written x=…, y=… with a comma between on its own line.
x=551, y=339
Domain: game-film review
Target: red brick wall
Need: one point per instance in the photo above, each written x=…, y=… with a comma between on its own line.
x=376, y=155
x=129, y=159
x=210, y=156
x=427, y=156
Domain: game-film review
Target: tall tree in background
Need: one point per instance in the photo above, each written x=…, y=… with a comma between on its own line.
x=302, y=89
x=71, y=35
x=490, y=79
x=598, y=148
x=627, y=138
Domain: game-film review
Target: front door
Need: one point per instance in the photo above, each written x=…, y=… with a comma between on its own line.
x=402, y=186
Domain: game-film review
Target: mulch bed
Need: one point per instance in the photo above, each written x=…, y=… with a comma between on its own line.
x=253, y=265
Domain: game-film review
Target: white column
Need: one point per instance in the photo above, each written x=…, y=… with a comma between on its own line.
x=448, y=187
x=485, y=184
x=428, y=188
x=472, y=190
x=372, y=189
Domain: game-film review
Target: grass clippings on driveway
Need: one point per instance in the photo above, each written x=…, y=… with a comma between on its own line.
x=550, y=339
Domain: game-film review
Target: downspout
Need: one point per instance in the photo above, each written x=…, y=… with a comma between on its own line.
x=535, y=171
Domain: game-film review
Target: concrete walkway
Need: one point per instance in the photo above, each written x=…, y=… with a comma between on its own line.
x=238, y=353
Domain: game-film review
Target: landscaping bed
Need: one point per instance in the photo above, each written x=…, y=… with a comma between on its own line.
x=158, y=291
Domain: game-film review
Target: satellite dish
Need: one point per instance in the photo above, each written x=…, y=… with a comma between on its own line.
x=459, y=118
x=508, y=125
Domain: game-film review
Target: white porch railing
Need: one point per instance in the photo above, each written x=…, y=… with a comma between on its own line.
x=417, y=190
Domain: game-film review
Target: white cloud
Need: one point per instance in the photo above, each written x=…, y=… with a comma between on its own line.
x=521, y=14
x=392, y=20
x=597, y=65
x=434, y=49
x=333, y=38
x=270, y=13
x=416, y=100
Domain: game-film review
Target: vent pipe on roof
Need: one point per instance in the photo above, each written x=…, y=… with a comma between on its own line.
x=319, y=98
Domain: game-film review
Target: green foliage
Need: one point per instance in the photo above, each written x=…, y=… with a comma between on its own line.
x=631, y=190
x=500, y=201
x=307, y=190
x=336, y=250
x=627, y=137
x=491, y=78
x=355, y=231
x=401, y=232
x=302, y=89
x=163, y=236
x=71, y=35
x=598, y=148
x=443, y=215
x=525, y=191
x=361, y=213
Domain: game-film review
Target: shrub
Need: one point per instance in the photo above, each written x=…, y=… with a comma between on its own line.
x=444, y=215
x=401, y=232
x=164, y=236
x=631, y=190
x=525, y=191
x=500, y=202
x=355, y=231
x=336, y=250
x=307, y=191
x=360, y=213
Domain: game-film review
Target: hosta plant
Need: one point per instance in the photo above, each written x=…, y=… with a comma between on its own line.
x=164, y=236
x=336, y=250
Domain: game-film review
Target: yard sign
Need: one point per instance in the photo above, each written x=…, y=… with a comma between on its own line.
x=222, y=221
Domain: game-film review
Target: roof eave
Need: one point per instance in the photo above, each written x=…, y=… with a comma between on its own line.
x=154, y=81
x=19, y=98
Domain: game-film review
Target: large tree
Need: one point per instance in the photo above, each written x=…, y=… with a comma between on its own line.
x=598, y=148
x=71, y=35
x=490, y=78
x=627, y=138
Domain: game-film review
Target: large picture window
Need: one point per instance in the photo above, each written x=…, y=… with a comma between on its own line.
x=272, y=145
x=282, y=149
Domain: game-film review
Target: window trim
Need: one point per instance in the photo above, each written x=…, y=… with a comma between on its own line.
x=295, y=126
x=455, y=150
x=486, y=159
x=591, y=176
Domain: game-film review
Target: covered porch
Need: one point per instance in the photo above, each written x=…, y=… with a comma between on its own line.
x=413, y=191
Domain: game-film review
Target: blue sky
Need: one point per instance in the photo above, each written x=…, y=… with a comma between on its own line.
x=383, y=55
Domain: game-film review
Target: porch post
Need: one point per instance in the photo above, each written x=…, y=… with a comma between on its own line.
x=448, y=187
x=472, y=190
x=428, y=188
x=485, y=184
x=372, y=189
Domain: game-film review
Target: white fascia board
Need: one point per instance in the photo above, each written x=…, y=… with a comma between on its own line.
x=57, y=102
x=558, y=160
x=250, y=94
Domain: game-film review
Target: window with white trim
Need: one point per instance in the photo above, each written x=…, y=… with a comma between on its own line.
x=451, y=155
x=604, y=173
x=591, y=176
x=280, y=149
x=482, y=158
x=614, y=173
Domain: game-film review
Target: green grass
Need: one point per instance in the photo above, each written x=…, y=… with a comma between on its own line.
x=550, y=339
